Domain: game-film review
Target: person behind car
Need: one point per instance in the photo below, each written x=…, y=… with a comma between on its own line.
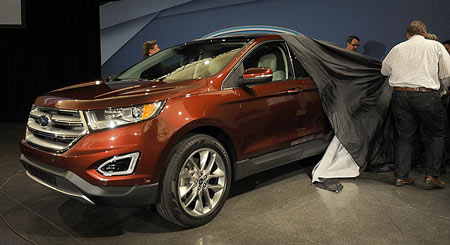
x=432, y=36
x=419, y=147
x=149, y=48
x=447, y=45
x=414, y=68
x=352, y=43
x=445, y=94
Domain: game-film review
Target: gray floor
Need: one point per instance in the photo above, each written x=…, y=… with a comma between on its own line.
x=275, y=207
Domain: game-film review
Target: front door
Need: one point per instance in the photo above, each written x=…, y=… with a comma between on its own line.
x=272, y=115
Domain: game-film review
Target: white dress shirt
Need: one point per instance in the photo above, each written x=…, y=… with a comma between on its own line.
x=417, y=62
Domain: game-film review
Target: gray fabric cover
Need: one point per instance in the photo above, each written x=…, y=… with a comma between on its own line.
x=355, y=97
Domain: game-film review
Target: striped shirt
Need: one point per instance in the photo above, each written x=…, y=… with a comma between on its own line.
x=417, y=62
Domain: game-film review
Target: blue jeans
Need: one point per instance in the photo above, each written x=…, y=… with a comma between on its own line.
x=411, y=109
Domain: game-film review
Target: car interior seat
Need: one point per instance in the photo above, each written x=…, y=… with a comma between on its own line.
x=270, y=61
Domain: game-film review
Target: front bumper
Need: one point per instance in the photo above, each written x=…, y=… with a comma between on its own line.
x=68, y=183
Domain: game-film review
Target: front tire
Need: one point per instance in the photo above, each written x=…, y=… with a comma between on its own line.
x=196, y=182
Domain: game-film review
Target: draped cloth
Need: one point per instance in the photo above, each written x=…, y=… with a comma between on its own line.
x=355, y=97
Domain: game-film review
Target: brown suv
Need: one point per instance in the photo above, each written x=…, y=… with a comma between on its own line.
x=175, y=129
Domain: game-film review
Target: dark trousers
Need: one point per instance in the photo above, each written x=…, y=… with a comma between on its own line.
x=411, y=109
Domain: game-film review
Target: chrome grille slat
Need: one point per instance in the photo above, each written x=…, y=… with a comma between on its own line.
x=56, y=132
x=52, y=137
x=64, y=128
x=35, y=113
x=58, y=115
x=66, y=119
x=45, y=144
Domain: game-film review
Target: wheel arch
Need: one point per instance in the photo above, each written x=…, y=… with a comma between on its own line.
x=196, y=128
x=222, y=137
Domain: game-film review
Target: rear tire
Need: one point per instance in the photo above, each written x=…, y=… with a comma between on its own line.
x=196, y=182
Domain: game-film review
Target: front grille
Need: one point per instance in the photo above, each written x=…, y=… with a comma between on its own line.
x=54, y=130
x=41, y=174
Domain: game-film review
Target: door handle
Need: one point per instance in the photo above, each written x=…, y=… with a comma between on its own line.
x=294, y=91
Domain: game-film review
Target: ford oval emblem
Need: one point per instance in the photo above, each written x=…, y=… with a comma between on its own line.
x=43, y=120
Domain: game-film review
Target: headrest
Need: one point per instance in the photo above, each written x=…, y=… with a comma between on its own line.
x=268, y=60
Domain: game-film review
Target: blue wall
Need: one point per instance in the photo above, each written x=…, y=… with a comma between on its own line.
x=380, y=24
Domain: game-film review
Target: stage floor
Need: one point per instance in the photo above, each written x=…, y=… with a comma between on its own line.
x=279, y=206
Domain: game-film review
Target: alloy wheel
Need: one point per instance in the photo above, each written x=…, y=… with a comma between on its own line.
x=201, y=182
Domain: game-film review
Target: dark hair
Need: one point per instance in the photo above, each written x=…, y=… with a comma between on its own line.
x=147, y=46
x=350, y=38
x=416, y=27
x=446, y=42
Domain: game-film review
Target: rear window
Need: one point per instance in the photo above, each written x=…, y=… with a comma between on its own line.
x=191, y=61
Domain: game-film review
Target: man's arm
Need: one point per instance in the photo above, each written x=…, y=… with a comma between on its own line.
x=444, y=90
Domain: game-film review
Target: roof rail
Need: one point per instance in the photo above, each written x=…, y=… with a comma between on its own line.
x=252, y=29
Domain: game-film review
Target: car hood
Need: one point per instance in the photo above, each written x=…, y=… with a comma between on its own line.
x=99, y=94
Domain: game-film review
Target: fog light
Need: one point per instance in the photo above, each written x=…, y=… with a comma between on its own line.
x=119, y=165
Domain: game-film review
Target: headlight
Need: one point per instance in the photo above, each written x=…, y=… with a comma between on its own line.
x=113, y=117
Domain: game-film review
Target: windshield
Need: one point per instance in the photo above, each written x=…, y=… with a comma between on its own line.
x=191, y=61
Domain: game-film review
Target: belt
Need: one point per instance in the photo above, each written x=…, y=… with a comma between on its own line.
x=413, y=89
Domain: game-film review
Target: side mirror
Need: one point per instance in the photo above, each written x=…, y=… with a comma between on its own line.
x=255, y=75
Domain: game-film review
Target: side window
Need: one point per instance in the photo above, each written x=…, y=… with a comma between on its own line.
x=274, y=56
x=300, y=72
